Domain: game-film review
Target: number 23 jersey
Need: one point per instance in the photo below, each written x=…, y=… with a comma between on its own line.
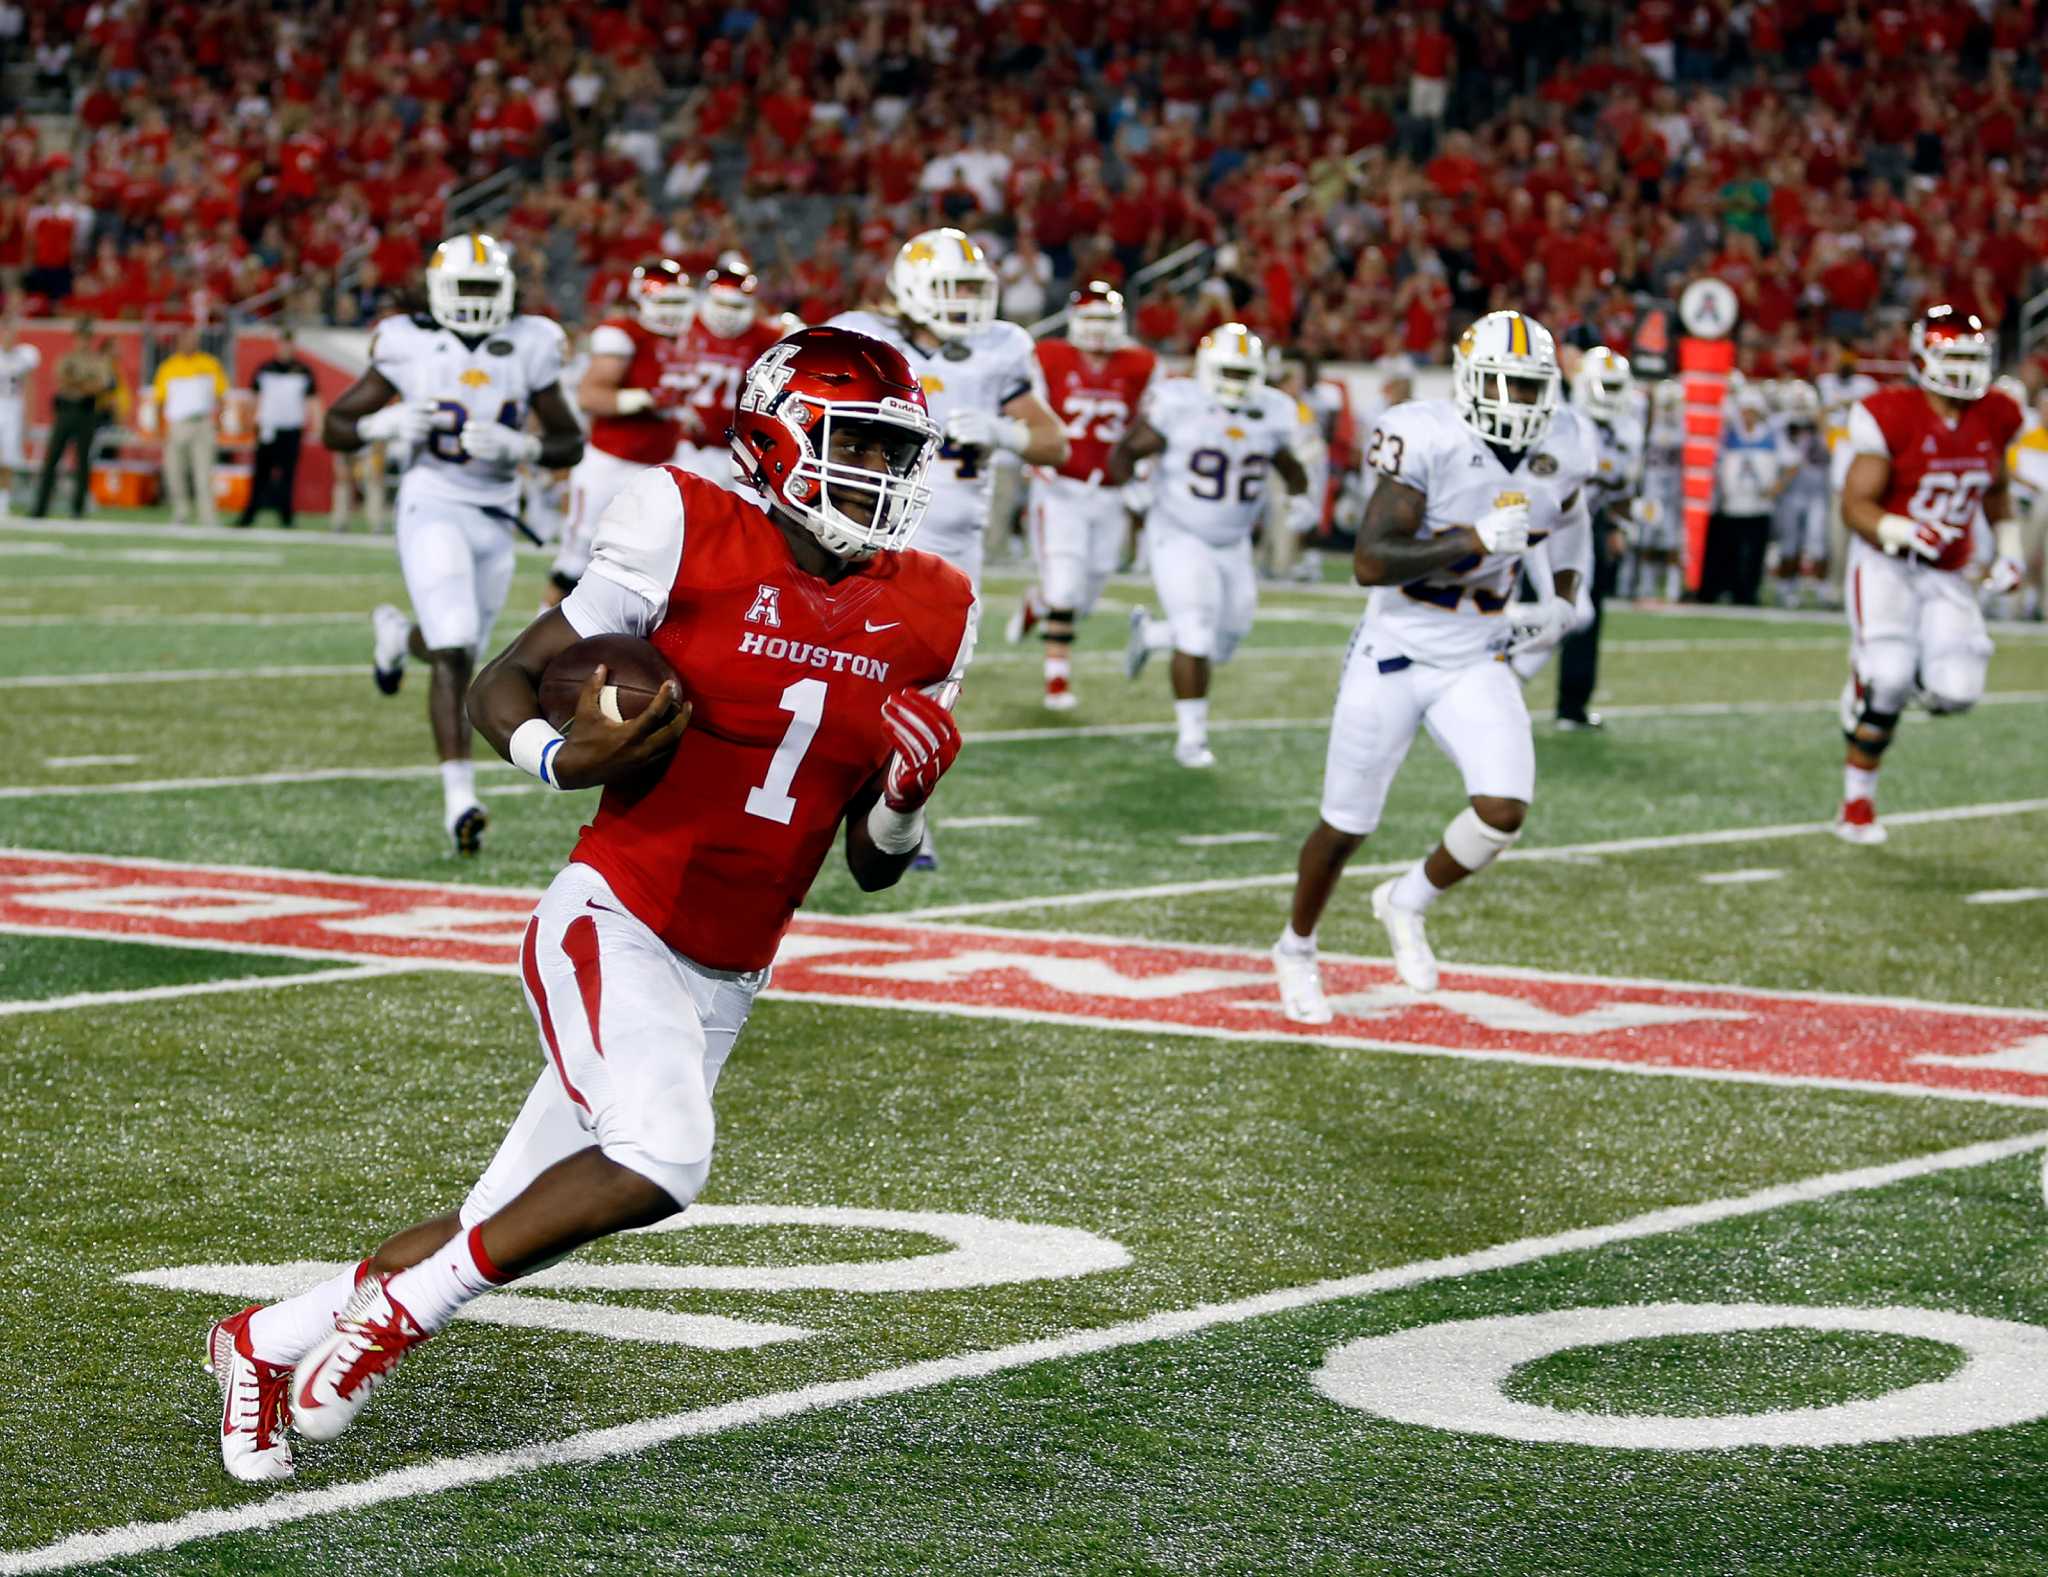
x=1939, y=474
x=491, y=379
x=786, y=674
x=1213, y=475
x=1452, y=615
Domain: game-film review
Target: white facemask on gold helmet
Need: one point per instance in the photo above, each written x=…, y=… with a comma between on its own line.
x=940, y=279
x=1504, y=379
x=1230, y=364
x=470, y=284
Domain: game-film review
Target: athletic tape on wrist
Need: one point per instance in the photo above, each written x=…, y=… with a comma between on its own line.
x=533, y=747
x=895, y=831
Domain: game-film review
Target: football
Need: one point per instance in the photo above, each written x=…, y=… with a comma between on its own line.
x=634, y=674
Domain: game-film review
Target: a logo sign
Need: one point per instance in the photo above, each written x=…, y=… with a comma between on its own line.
x=1709, y=309
x=767, y=608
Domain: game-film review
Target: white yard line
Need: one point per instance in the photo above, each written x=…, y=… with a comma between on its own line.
x=1561, y=852
x=182, y=676
x=145, y=619
x=249, y=780
x=299, y=536
x=599, y=1445
x=202, y=988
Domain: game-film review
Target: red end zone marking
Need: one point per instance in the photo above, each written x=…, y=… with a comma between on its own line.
x=1703, y=1029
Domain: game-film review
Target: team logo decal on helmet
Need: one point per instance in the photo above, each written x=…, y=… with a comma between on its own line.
x=822, y=385
x=1504, y=379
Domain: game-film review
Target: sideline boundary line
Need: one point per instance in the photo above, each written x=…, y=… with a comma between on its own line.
x=598, y=1445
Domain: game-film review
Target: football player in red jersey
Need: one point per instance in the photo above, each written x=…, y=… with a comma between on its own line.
x=1094, y=379
x=717, y=351
x=632, y=393
x=820, y=660
x=1928, y=460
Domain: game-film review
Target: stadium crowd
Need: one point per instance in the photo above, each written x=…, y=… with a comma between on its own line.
x=1365, y=187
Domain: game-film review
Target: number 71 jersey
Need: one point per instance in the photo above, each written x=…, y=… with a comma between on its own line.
x=786, y=674
x=1212, y=477
x=491, y=379
x=1939, y=474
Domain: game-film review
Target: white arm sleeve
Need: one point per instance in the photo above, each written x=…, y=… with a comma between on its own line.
x=608, y=339
x=638, y=548
x=1865, y=436
x=603, y=607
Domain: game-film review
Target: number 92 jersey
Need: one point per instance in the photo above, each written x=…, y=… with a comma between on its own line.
x=984, y=371
x=1211, y=481
x=1452, y=615
x=492, y=379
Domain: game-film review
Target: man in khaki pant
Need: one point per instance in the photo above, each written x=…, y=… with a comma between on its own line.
x=189, y=388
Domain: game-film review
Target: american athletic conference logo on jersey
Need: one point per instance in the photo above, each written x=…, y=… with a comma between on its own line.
x=767, y=608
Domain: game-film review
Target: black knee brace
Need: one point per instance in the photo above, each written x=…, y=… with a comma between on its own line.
x=1056, y=624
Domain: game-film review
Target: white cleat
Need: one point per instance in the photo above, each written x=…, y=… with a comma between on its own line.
x=334, y=1380
x=1061, y=700
x=1857, y=823
x=392, y=633
x=1021, y=623
x=1301, y=987
x=1413, y=961
x=1137, y=651
x=1194, y=753
x=255, y=1404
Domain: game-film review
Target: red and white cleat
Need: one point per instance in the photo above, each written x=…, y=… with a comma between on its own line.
x=1858, y=823
x=335, y=1379
x=254, y=1401
x=1059, y=696
x=1022, y=622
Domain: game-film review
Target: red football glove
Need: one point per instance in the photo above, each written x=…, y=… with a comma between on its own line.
x=926, y=739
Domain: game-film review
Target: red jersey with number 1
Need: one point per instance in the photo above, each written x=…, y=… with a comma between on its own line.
x=1094, y=395
x=653, y=361
x=786, y=674
x=1941, y=473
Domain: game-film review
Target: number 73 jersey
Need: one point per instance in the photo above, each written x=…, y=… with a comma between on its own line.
x=786, y=674
x=490, y=379
x=1212, y=476
x=1939, y=474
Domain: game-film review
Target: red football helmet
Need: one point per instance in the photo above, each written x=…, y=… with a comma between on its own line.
x=726, y=298
x=661, y=296
x=825, y=387
x=1095, y=317
x=1953, y=354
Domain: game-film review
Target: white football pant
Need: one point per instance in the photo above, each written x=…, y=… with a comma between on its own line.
x=1207, y=593
x=1912, y=625
x=632, y=1036
x=458, y=564
x=1077, y=535
x=594, y=482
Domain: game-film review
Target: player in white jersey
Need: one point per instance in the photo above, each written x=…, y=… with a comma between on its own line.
x=453, y=386
x=17, y=360
x=1212, y=439
x=1472, y=491
x=2026, y=471
x=981, y=379
x=1800, y=525
x=1653, y=568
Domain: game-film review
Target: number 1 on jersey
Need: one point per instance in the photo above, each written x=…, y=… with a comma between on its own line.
x=805, y=702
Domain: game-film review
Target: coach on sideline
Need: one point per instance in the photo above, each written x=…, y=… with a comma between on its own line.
x=284, y=399
x=189, y=388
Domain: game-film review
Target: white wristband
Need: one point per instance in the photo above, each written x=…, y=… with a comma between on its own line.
x=2010, y=544
x=631, y=402
x=895, y=831
x=1895, y=533
x=533, y=747
x=1013, y=434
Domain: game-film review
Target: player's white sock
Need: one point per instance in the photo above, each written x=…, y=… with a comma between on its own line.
x=1415, y=890
x=1059, y=672
x=1300, y=946
x=286, y=1331
x=439, y=1285
x=458, y=787
x=1193, y=720
x=1859, y=783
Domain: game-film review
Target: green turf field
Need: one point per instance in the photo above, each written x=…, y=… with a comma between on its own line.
x=1238, y=1210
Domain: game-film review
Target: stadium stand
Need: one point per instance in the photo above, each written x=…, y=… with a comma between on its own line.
x=1355, y=181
